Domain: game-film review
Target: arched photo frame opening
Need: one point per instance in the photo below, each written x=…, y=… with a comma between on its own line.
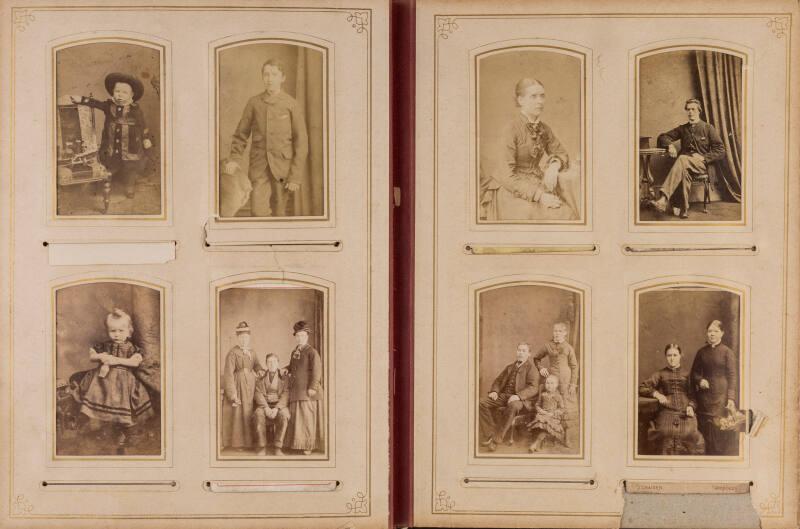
x=272, y=397
x=109, y=152
x=272, y=139
x=690, y=344
x=109, y=369
x=515, y=353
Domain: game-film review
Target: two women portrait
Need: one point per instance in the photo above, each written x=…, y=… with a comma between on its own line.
x=689, y=390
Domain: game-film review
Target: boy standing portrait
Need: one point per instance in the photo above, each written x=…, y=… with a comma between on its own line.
x=279, y=147
x=270, y=125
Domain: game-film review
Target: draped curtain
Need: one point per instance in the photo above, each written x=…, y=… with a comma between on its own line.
x=309, y=93
x=317, y=323
x=571, y=314
x=720, y=80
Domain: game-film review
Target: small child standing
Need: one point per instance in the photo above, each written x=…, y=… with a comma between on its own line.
x=550, y=416
x=111, y=392
x=562, y=361
x=125, y=134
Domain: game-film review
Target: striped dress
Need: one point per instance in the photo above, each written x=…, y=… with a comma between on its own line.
x=119, y=397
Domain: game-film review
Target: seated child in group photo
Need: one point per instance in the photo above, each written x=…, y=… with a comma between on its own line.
x=550, y=420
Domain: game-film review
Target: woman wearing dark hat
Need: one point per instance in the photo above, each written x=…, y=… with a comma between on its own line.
x=306, y=428
x=239, y=383
x=125, y=134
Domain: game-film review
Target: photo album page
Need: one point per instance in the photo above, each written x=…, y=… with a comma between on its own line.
x=195, y=219
x=606, y=277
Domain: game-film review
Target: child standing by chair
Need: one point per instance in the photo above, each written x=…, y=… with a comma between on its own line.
x=111, y=393
x=562, y=361
x=550, y=416
x=125, y=134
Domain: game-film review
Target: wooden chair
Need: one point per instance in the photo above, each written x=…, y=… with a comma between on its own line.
x=77, y=149
x=705, y=181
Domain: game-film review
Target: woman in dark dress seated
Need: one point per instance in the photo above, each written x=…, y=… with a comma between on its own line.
x=676, y=430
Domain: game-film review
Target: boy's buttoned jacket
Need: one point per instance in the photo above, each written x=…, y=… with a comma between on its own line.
x=124, y=130
x=277, y=386
x=277, y=129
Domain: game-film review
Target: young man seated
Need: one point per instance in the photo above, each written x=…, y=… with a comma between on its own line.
x=701, y=145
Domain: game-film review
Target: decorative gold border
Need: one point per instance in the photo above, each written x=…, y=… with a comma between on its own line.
x=689, y=286
x=365, y=28
x=326, y=147
x=165, y=134
x=745, y=133
x=164, y=336
x=326, y=354
x=475, y=434
x=475, y=72
x=449, y=25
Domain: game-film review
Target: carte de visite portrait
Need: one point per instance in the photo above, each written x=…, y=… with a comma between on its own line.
x=272, y=366
x=529, y=390
x=690, y=142
x=109, y=370
x=530, y=123
x=272, y=130
x=688, y=374
x=109, y=137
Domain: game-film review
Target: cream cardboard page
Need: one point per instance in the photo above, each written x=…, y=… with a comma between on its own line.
x=111, y=225
x=574, y=297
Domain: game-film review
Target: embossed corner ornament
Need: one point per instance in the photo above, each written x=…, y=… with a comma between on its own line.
x=358, y=505
x=21, y=506
x=445, y=26
x=779, y=26
x=442, y=502
x=359, y=20
x=22, y=17
x=771, y=505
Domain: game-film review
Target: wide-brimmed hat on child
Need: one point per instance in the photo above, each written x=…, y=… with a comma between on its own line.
x=117, y=77
x=242, y=327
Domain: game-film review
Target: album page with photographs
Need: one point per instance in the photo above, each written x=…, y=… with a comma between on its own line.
x=195, y=236
x=606, y=262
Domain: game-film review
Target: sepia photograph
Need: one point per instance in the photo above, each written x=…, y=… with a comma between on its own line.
x=691, y=120
x=271, y=123
x=272, y=374
x=108, y=370
x=689, y=372
x=529, y=376
x=530, y=136
x=109, y=138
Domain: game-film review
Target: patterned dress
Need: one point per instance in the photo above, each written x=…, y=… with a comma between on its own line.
x=676, y=432
x=119, y=397
x=550, y=415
